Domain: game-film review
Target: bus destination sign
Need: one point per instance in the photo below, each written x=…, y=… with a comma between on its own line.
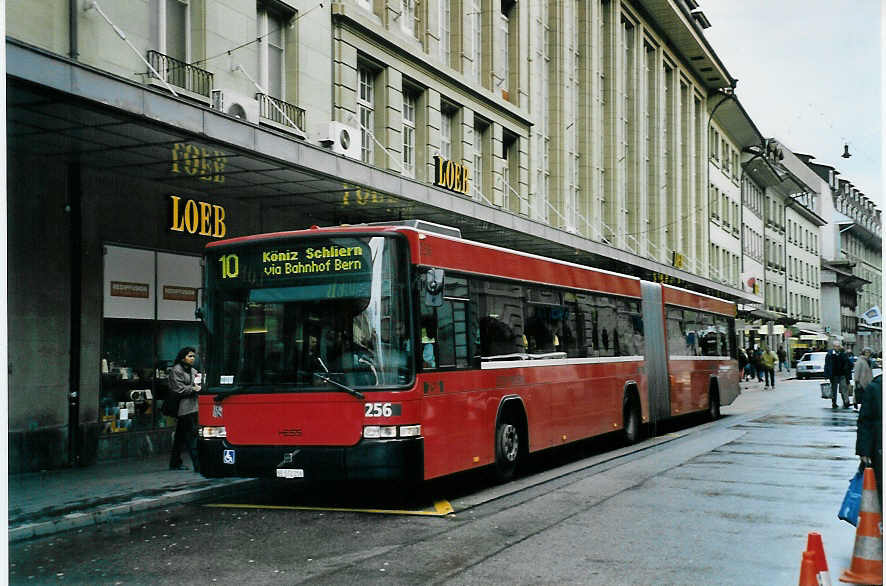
x=341, y=257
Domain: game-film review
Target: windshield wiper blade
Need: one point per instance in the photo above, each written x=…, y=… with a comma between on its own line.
x=222, y=395
x=345, y=388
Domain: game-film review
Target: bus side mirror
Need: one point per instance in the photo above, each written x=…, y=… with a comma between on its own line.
x=434, y=287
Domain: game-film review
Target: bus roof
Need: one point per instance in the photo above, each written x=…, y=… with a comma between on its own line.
x=439, y=250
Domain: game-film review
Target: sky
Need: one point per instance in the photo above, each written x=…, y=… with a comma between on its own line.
x=809, y=74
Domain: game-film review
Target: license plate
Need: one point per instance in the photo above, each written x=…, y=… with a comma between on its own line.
x=290, y=473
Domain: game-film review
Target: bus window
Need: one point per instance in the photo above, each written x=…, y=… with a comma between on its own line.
x=570, y=341
x=630, y=328
x=676, y=340
x=499, y=310
x=606, y=324
x=695, y=332
x=544, y=321
x=444, y=330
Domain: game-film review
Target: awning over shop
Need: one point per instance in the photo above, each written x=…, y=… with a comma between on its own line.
x=59, y=108
x=761, y=313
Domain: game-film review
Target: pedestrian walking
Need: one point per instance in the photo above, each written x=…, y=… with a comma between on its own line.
x=749, y=372
x=182, y=383
x=862, y=375
x=838, y=370
x=742, y=362
x=869, y=436
x=757, y=361
x=768, y=359
x=783, y=360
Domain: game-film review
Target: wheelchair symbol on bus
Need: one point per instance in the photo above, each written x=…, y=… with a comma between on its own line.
x=228, y=457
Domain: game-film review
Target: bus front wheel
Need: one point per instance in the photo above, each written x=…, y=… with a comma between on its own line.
x=507, y=449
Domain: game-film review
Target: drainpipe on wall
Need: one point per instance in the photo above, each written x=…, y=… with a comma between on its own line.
x=73, y=49
x=73, y=208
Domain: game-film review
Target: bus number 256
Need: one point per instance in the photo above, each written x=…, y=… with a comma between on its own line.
x=381, y=409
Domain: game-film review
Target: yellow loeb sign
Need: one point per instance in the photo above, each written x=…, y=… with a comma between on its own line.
x=451, y=175
x=678, y=261
x=197, y=217
x=200, y=162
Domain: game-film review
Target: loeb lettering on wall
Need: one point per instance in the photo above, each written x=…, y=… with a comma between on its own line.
x=451, y=175
x=197, y=217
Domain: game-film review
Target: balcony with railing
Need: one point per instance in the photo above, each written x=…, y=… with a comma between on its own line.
x=283, y=114
x=181, y=75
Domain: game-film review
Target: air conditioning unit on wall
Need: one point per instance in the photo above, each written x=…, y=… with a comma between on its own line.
x=235, y=104
x=341, y=138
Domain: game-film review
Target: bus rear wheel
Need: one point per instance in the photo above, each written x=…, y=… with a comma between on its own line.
x=507, y=449
x=714, y=405
x=632, y=426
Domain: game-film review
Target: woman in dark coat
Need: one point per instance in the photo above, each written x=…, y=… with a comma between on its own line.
x=869, y=438
x=181, y=382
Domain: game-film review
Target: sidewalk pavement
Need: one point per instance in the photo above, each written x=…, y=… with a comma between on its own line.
x=53, y=501
x=754, y=385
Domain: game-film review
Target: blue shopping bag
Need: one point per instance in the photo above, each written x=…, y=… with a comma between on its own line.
x=852, y=500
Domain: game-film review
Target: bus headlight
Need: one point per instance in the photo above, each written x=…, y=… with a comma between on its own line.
x=210, y=432
x=391, y=431
x=410, y=430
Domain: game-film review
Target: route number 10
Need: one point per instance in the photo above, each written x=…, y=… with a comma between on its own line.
x=230, y=266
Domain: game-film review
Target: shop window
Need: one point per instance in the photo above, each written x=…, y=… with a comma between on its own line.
x=149, y=303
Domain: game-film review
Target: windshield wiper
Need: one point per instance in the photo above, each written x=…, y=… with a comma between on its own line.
x=222, y=395
x=345, y=388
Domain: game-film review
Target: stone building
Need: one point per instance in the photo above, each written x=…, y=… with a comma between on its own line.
x=139, y=130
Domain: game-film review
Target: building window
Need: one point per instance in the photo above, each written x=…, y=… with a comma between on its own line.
x=407, y=16
x=445, y=30
x=476, y=15
x=511, y=171
x=481, y=130
x=714, y=145
x=272, y=35
x=447, y=120
x=174, y=20
x=409, y=106
x=366, y=107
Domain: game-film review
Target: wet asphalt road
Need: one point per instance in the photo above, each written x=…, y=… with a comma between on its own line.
x=729, y=502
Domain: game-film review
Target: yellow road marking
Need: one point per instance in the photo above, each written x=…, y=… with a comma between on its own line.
x=440, y=509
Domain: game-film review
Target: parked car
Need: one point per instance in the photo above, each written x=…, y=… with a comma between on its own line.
x=811, y=365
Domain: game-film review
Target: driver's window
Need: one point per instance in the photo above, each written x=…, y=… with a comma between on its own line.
x=443, y=333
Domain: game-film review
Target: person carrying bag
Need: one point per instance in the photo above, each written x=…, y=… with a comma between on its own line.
x=183, y=389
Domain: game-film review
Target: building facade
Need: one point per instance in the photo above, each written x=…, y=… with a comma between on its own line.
x=604, y=132
x=851, y=262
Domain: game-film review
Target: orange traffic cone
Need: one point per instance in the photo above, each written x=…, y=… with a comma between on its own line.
x=808, y=576
x=867, y=559
x=815, y=545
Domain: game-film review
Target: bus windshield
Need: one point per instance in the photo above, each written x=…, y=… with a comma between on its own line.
x=292, y=314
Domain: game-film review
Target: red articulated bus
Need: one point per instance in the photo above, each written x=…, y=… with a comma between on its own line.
x=404, y=352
